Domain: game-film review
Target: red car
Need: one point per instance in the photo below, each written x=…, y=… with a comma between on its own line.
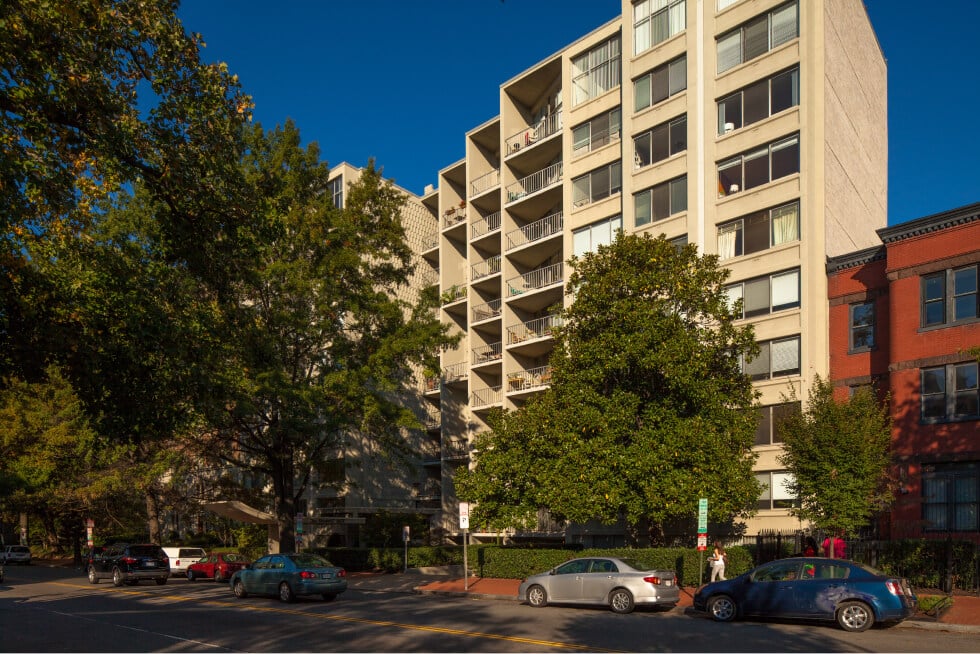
x=216, y=566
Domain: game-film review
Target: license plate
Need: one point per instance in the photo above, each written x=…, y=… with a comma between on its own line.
x=326, y=575
x=151, y=564
x=668, y=582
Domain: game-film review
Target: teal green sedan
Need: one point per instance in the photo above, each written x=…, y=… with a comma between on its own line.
x=289, y=576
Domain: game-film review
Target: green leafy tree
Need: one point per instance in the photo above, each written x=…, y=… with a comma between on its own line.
x=648, y=410
x=318, y=342
x=839, y=455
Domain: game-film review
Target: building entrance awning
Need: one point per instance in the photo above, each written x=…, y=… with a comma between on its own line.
x=236, y=510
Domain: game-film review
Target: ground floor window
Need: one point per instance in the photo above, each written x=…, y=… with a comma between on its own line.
x=776, y=492
x=949, y=496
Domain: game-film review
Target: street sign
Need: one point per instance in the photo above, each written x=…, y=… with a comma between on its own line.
x=406, y=533
x=299, y=523
x=702, y=515
x=464, y=515
x=702, y=542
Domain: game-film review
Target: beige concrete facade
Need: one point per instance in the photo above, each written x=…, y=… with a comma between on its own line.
x=755, y=129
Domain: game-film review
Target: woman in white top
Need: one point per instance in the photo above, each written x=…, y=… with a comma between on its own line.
x=717, y=559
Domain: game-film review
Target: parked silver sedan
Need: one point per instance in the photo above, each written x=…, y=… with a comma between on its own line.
x=620, y=584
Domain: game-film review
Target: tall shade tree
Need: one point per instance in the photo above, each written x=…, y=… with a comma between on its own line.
x=648, y=410
x=839, y=453
x=318, y=342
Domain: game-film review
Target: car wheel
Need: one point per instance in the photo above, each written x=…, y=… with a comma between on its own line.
x=537, y=597
x=93, y=576
x=621, y=601
x=855, y=616
x=190, y=575
x=117, y=577
x=239, y=589
x=217, y=576
x=285, y=592
x=329, y=597
x=722, y=608
x=161, y=581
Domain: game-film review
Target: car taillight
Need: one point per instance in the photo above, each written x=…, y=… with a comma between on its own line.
x=177, y=563
x=341, y=573
x=894, y=588
x=652, y=580
x=306, y=574
x=129, y=560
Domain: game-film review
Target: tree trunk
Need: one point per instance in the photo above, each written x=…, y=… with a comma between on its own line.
x=153, y=515
x=282, y=484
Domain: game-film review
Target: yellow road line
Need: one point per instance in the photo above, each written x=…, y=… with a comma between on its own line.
x=344, y=618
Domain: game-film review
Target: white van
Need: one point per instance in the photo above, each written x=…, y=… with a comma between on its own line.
x=181, y=557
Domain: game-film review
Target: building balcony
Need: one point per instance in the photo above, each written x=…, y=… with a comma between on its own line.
x=487, y=353
x=540, y=229
x=534, y=183
x=486, y=225
x=535, y=280
x=486, y=311
x=529, y=380
x=532, y=329
x=454, y=216
x=527, y=137
x=484, y=183
x=455, y=373
x=485, y=268
x=455, y=450
x=486, y=398
x=453, y=294
x=431, y=385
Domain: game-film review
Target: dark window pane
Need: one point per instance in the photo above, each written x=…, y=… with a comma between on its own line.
x=757, y=232
x=965, y=293
x=678, y=135
x=756, y=38
x=785, y=91
x=786, y=158
x=678, y=195
x=758, y=368
x=756, y=169
x=600, y=184
x=764, y=428
x=641, y=146
x=642, y=91
x=933, y=381
x=756, y=297
x=781, y=413
x=661, y=202
x=729, y=178
x=678, y=75
x=933, y=297
x=615, y=177
x=756, y=99
x=660, y=148
x=659, y=83
x=730, y=113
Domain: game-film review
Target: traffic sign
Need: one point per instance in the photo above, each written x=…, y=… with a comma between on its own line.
x=703, y=515
x=702, y=542
x=464, y=515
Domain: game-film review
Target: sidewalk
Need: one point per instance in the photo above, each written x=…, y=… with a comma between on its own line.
x=963, y=616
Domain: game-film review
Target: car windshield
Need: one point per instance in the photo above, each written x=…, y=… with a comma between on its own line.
x=234, y=558
x=18, y=548
x=310, y=561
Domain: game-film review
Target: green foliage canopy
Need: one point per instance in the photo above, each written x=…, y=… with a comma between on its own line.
x=648, y=410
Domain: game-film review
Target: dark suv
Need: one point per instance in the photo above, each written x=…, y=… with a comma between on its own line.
x=128, y=564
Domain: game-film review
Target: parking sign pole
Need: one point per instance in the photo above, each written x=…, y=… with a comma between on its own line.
x=702, y=536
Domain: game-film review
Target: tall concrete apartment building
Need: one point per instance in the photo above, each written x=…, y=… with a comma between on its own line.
x=755, y=129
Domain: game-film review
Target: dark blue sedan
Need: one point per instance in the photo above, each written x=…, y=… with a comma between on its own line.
x=853, y=594
x=290, y=575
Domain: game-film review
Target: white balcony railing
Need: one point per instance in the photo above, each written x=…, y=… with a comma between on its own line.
x=453, y=216
x=531, y=281
x=537, y=328
x=484, y=183
x=485, y=225
x=486, y=397
x=485, y=268
x=455, y=449
x=535, y=231
x=454, y=372
x=525, y=380
x=486, y=311
x=529, y=136
x=535, y=182
x=453, y=294
x=487, y=353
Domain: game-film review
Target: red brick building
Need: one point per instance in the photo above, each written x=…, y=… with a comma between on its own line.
x=904, y=317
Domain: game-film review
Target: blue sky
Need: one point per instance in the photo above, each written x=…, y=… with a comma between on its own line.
x=403, y=80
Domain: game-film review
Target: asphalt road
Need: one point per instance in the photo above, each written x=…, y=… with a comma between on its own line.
x=57, y=610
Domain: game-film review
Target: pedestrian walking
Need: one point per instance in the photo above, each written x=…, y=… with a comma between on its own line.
x=717, y=560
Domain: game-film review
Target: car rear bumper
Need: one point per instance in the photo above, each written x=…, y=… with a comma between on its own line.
x=662, y=597
x=318, y=587
x=145, y=574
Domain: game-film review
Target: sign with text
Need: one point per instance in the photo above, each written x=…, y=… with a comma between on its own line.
x=702, y=515
x=464, y=515
x=702, y=542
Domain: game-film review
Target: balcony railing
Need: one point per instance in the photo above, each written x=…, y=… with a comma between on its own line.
x=541, y=130
x=431, y=384
x=454, y=372
x=535, y=182
x=430, y=242
x=487, y=353
x=535, y=231
x=453, y=216
x=485, y=268
x=455, y=449
x=525, y=380
x=486, y=397
x=486, y=311
x=485, y=182
x=454, y=293
x=537, y=328
x=531, y=281
x=485, y=225
x=430, y=418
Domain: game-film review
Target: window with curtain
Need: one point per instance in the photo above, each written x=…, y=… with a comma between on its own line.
x=862, y=326
x=759, y=166
x=590, y=237
x=776, y=490
x=777, y=358
x=596, y=71
x=950, y=497
x=759, y=231
x=759, y=100
x=758, y=36
x=660, y=202
x=764, y=295
x=655, y=21
x=661, y=142
x=660, y=83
